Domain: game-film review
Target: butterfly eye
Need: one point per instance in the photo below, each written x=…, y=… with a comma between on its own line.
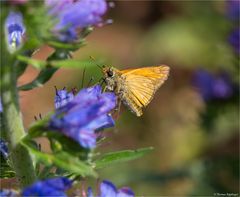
x=110, y=73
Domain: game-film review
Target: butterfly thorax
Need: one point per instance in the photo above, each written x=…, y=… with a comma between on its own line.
x=112, y=78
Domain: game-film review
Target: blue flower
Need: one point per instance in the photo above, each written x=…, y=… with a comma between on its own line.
x=1, y=108
x=108, y=189
x=234, y=40
x=14, y=30
x=233, y=7
x=3, y=148
x=8, y=193
x=62, y=97
x=212, y=87
x=82, y=116
x=74, y=15
x=50, y=187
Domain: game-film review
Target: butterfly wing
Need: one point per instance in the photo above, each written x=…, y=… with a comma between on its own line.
x=141, y=84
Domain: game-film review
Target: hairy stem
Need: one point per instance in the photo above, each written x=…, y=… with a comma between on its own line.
x=19, y=156
x=13, y=124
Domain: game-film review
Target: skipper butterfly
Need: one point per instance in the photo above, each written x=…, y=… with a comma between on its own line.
x=135, y=87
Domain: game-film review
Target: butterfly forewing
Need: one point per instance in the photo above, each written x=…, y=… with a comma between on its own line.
x=141, y=84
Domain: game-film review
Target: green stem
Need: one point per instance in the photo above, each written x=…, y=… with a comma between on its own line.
x=13, y=124
x=21, y=160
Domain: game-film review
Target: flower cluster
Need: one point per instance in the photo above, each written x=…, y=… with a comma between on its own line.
x=51, y=187
x=108, y=189
x=233, y=13
x=14, y=31
x=212, y=87
x=85, y=114
x=59, y=186
x=71, y=16
x=74, y=15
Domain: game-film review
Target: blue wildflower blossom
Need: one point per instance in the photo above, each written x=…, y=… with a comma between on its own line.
x=233, y=9
x=14, y=30
x=234, y=40
x=82, y=116
x=212, y=87
x=3, y=148
x=62, y=97
x=1, y=108
x=50, y=187
x=108, y=189
x=8, y=193
x=74, y=15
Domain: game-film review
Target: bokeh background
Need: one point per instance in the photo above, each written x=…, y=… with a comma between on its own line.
x=193, y=120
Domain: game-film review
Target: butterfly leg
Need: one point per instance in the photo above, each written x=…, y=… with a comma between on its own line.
x=118, y=108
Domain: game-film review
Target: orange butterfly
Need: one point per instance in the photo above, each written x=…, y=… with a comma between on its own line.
x=135, y=87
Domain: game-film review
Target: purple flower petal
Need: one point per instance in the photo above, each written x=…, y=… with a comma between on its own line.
x=62, y=98
x=73, y=15
x=125, y=192
x=49, y=187
x=203, y=81
x=107, y=189
x=211, y=86
x=233, y=7
x=1, y=108
x=86, y=113
x=234, y=40
x=90, y=192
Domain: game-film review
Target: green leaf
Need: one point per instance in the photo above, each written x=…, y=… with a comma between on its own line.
x=72, y=63
x=66, y=46
x=62, y=160
x=121, y=156
x=22, y=66
x=43, y=77
x=39, y=64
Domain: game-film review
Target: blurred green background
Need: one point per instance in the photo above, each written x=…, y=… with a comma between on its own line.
x=196, y=142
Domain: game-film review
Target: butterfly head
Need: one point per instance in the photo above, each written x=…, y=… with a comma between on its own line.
x=109, y=72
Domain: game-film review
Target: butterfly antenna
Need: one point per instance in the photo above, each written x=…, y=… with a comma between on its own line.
x=90, y=81
x=101, y=67
x=83, y=76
